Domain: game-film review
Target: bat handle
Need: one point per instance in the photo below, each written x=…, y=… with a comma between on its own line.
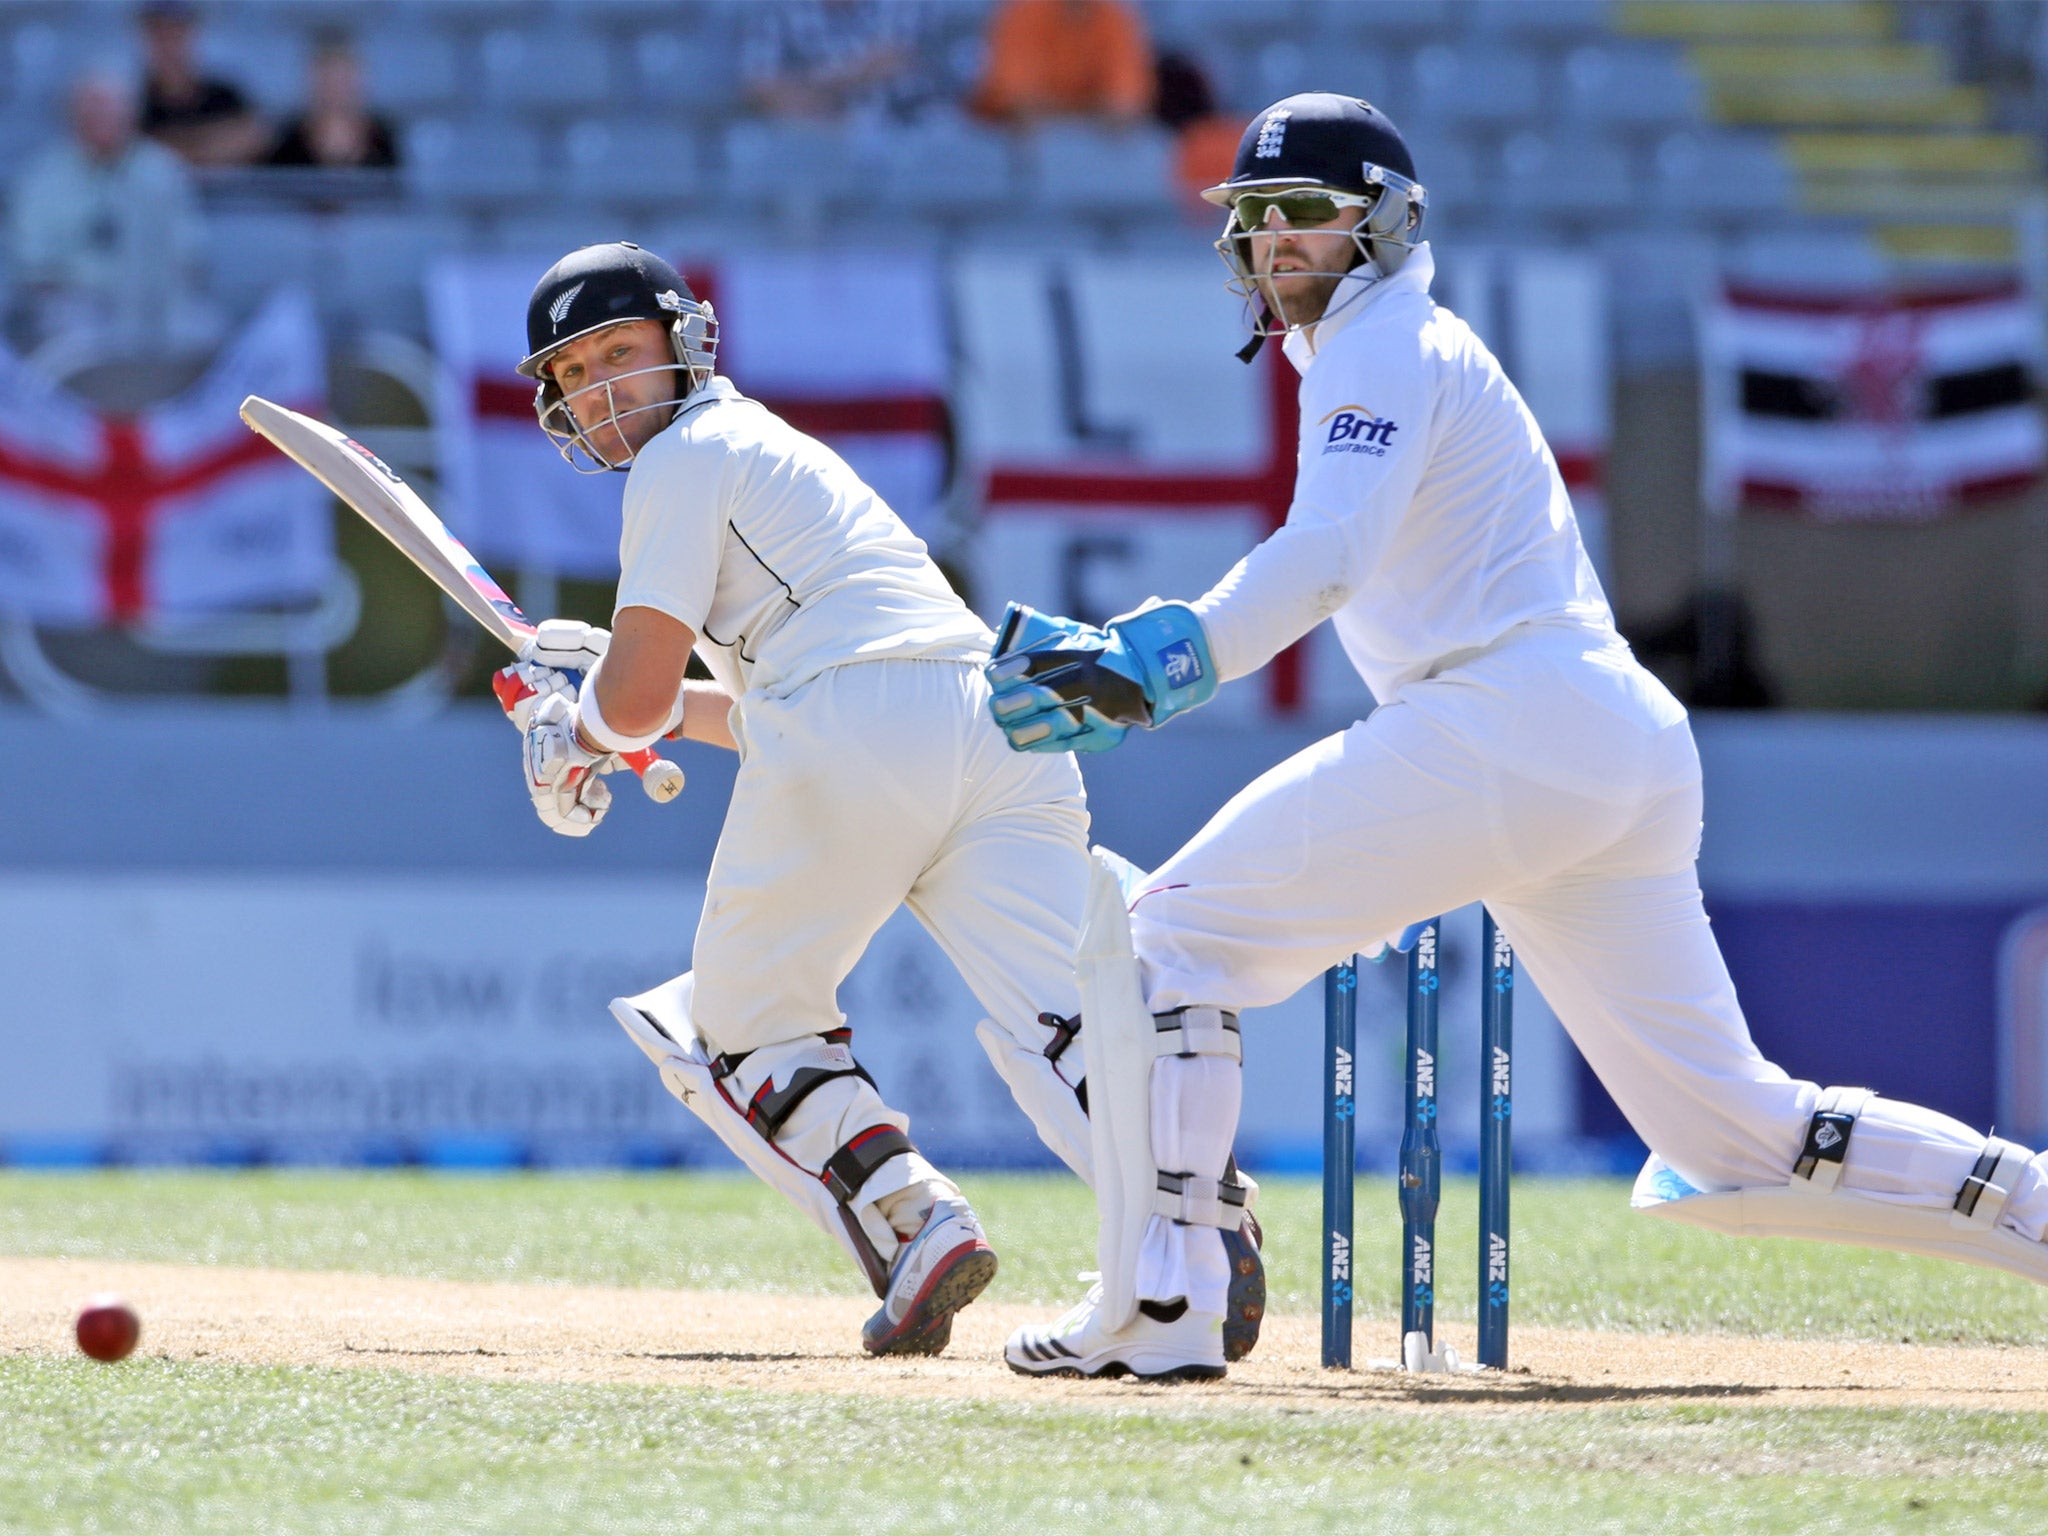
x=662, y=779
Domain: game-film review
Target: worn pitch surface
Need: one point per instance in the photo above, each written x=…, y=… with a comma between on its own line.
x=538, y=1332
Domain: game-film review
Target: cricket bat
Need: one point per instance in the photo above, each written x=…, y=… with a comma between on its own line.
x=384, y=501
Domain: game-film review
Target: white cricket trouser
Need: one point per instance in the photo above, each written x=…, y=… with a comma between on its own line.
x=874, y=785
x=1554, y=779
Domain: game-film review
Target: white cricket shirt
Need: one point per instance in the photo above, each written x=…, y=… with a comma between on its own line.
x=774, y=552
x=1428, y=515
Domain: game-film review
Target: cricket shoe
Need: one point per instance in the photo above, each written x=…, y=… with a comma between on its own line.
x=936, y=1273
x=1161, y=1344
x=1245, y=1307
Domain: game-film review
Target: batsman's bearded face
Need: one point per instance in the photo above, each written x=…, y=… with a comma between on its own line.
x=615, y=382
x=1299, y=269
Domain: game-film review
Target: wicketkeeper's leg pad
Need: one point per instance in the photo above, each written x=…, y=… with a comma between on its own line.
x=801, y=1114
x=1879, y=1174
x=1164, y=1095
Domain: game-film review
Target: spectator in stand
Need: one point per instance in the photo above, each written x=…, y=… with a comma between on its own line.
x=206, y=120
x=104, y=237
x=831, y=59
x=337, y=129
x=1206, y=145
x=1066, y=58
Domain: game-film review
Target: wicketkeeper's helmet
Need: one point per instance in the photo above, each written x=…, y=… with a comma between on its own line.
x=1320, y=141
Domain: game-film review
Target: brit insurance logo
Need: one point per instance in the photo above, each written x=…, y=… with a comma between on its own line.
x=1354, y=429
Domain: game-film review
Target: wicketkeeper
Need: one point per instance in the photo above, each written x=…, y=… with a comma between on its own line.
x=1519, y=756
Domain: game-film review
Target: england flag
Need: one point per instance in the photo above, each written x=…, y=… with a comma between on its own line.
x=178, y=509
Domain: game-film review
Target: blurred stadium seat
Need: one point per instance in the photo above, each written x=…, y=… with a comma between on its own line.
x=693, y=71
x=945, y=167
x=1536, y=20
x=410, y=68
x=557, y=70
x=1117, y=173
x=1449, y=166
x=1724, y=173
x=1363, y=68
x=473, y=160
x=630, y=160
x=378, y=258
x=543, y=237
x=1564, y=175
x=764, y=156
x=249, y=253
x=1390, y=21
x=1619, y=84
x=1478, y=84
x=1237, y=27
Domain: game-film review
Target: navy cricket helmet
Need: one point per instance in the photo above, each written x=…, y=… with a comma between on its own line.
x=597, y=287
x=1320, y=139
x=1318, y=142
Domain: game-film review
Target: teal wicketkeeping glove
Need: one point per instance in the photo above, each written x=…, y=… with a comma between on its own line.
x=1062, y=686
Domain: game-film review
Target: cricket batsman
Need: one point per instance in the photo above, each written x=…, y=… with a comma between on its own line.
x=1519, y=756
x=848, y=676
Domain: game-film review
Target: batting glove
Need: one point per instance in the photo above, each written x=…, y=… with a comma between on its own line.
x=564, y=777
x=552, y=662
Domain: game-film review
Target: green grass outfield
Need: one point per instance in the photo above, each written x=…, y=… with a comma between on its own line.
x=158, y=1445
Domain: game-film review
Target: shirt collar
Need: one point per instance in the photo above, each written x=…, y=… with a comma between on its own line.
x=717, y=387
x=1353, y=296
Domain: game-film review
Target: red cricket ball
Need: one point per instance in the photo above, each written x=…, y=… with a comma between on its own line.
x=108, y=1328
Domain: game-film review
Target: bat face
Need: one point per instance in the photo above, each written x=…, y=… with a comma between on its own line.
x=394, y=509
x=478, y=578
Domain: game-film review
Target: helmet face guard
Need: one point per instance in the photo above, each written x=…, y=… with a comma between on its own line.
x=693, y=339
x=1379, y=244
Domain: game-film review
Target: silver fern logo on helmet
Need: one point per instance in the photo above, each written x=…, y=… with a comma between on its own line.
x=558, y=310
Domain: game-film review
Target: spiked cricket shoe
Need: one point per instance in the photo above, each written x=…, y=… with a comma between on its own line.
x=1190, y=1348
x=1246, y=1307
x=936, y=1273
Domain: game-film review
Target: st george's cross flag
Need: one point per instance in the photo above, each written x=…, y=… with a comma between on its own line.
x=1869, y=407
x=177, y=509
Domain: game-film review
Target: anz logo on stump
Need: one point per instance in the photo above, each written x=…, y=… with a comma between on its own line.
x=1354, y=429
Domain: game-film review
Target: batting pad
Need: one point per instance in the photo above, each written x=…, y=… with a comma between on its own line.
x=659, y=1023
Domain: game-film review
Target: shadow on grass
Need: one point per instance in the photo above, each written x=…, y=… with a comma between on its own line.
x=380, y=1349
x=1362, y=1389
x=723, y=1356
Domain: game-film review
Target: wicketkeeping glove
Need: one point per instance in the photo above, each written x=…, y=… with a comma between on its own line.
x=564, y=777
x=1058, y=685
